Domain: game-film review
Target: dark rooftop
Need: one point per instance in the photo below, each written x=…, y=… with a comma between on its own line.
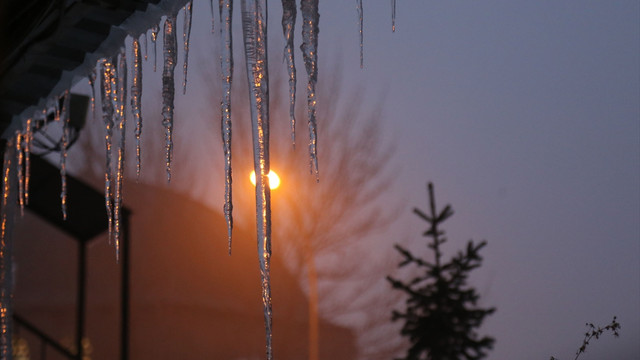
x=46, y=45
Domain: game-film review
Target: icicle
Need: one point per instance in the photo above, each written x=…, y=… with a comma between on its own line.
x=116, y=99
x=288, y=25
x=20, y=166
x=154, y=37
x=254, y=26
x=186, y=34
x=44, y=118
x=92, y=83
x=6, y=188
x=107, y=117
x=168, y=87
x=226, y=64
x=360, y=24
x=145, y=45
x=212, y=17
x=393, y=15
x=27, y=160
x=122, y=83
x=136, y=101
x=56, y=110
x=6, y=255
x=309, y=47
x=121, y=124
x=63, y=152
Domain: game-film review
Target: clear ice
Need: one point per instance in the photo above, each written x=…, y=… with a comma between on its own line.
x=254, y=28
x=288, y=25
x=92, y=84
x=136, y=101
x=360, y=25
x=121, y=119
x=145, y=44
x=44, y=117
x=108, y=72
x=186, y=34
x=154, y=37
x=6, y=188
x=168, y=87
x=393, y=15
x=226, y=65
x=309, y=47
x=27, y=159
x=212, y=16
x=6, y=252
x=64, y=117
x=56, y=110
x=20, y=164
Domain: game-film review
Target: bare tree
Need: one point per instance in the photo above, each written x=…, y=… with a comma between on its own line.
x=321, y=225
x=317, y=226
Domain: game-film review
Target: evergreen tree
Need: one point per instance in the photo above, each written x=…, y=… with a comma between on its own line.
x=441, y=313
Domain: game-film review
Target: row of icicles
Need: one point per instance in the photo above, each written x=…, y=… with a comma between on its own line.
x=112, y=75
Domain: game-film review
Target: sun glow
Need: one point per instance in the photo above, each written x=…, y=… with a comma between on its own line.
x=274, y=179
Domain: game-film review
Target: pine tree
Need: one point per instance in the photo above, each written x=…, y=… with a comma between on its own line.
x=441, y=313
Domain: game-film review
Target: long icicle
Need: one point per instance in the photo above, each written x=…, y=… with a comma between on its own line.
x=145, y=43
x=288, y=25
x=168, y=87
x=154, y=37
x=27, y=159
x=19, y=139
x=309, y=47
x=212, y=17
x=121, y=124
x=56, y=110
x=360, y=28
x=107, y=72
x=64, y=117
x=254, y=26
x=44, y=117
x=116, y=101
x=226, y=65
x=92, y=84
x=6, y=253
x=186, y=35
x=393, y=15
x=136, y=102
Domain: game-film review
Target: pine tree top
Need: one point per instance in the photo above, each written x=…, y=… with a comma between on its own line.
x=441, y=312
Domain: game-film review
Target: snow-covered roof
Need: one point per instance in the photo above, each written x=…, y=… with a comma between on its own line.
x=47, y=46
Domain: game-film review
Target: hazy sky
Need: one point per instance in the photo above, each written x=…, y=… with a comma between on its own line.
x=525, y=115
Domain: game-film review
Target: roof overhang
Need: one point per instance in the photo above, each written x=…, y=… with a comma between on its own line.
x=51, y=45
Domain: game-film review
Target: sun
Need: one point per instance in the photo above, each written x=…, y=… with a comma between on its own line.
x=274, y=179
